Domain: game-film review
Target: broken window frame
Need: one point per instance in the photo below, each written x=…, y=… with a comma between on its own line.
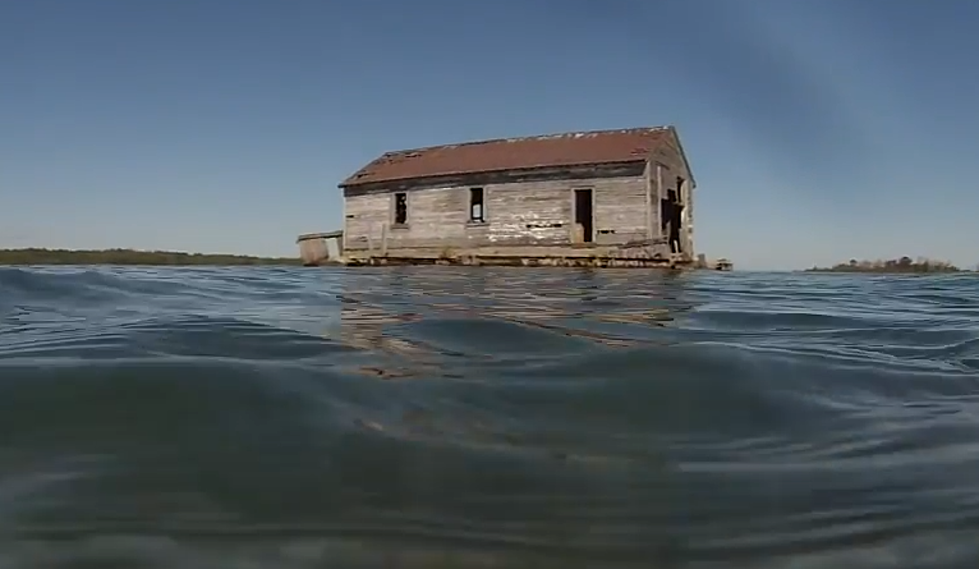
x=474, y=203
x=400, y=208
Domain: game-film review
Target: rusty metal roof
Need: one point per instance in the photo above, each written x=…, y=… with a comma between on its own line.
x=566, y=149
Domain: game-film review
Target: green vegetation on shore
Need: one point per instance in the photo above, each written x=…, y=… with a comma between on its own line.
x=904, y=265
x=35, y=256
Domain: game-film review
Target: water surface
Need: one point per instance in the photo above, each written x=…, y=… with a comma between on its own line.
x=427, y=417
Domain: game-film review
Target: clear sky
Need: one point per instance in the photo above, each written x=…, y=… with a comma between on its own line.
x=818, y=130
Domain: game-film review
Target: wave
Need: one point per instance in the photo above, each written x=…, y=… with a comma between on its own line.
x=487, y=416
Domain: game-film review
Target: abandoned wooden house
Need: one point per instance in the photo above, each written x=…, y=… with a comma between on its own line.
x=600, y=198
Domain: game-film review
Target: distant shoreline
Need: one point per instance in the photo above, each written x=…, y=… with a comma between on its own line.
x=54, y=257
x=93, y=257
x=902, y=266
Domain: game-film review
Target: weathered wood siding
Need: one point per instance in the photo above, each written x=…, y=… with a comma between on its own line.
x=520, y=213
x=620, y=207
x=668, y=157
x=364, y=220
x=651, y=197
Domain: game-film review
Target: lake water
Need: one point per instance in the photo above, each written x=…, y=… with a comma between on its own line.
x=436, y=417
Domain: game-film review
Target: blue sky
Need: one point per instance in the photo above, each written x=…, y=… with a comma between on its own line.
x=818, y=130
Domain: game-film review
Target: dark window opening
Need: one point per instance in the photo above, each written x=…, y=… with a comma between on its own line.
x=477, y=213
x=400, y=208
x=583, y=215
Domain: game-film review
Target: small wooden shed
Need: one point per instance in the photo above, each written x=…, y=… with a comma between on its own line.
x=314, y=248
x=600, y=198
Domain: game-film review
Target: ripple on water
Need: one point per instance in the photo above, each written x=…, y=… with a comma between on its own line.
x=494, y=417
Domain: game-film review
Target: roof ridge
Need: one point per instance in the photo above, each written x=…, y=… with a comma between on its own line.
x=603, y=146
x=576, y=133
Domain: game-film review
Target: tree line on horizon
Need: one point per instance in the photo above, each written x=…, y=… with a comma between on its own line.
x=42, y=256
x=903, y=265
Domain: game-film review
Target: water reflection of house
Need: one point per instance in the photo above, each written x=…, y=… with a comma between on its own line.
x=362, y=326
x=616, y=197
x=366, y=327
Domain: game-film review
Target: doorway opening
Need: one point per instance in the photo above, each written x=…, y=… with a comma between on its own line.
x=671, y=216
x=583, y=215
